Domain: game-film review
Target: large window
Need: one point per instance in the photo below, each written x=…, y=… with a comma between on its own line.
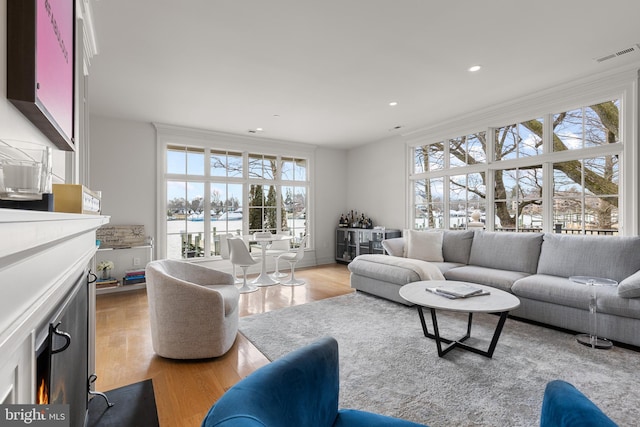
x=214, y=191
x=558, y=172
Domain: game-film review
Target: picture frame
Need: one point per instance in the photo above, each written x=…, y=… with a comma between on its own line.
x=41, y=65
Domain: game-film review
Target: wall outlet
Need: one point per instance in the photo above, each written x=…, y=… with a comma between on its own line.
x=136, y=261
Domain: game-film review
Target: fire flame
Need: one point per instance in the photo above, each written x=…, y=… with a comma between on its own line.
x=43, y=394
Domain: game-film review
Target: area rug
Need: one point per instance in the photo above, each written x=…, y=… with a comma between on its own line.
x=134, y=405
x=388, y=366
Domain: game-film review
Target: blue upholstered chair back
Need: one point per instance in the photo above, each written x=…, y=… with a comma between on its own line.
x=299, y=389
x=564, y=405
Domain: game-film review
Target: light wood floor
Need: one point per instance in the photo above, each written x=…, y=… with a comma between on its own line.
x=185, y=390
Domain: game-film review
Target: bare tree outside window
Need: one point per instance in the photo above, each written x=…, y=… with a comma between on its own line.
x=586, y=190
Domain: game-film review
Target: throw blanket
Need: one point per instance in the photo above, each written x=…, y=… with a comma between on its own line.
x=424, y=269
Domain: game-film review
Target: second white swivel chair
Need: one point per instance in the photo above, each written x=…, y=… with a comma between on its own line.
x=293, y=258
x=241, y=257
x=277, y=248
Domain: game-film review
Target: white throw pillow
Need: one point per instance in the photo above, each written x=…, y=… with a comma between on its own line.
x=425, y=245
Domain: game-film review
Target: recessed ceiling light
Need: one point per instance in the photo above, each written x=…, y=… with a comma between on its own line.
x=259, y=129
x=475, y=68
x=393, y=104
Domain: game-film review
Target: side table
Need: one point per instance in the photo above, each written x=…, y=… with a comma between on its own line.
x=592, y=339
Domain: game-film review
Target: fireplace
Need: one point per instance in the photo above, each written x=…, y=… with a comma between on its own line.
x=62, y=352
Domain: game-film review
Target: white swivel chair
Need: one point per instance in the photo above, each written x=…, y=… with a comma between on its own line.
x=240, y=256
x=193, y=310
x=225, y=253
x=293, y=258
x=277, y=248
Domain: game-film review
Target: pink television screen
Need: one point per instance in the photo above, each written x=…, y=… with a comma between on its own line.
x=41, y=65
x=54, y=61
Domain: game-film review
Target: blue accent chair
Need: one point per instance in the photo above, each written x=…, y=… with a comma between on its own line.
x=299, y=389
x=564, y=405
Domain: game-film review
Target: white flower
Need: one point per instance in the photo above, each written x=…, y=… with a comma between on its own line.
x=105, y=265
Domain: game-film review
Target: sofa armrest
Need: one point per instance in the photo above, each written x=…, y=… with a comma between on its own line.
x=630, y=287
x=564, y=405
x=394, y=247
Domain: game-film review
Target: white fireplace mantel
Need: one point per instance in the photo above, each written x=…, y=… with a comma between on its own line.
x=41, y=253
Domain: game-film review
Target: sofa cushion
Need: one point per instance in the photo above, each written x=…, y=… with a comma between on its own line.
x=506, y=250
x=500, y=279
x=630, y=287
x=424, y=245
x=553, y=289
x=394, y=246
x=569, y=255
x=456, y=245
x=397, y=270
x=562, y=291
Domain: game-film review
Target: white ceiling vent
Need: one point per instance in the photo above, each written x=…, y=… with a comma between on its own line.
x=633, y=49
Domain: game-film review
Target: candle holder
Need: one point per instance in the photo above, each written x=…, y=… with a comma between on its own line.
x=25, y=173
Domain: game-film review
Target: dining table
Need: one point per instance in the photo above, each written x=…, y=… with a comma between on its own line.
x=264, y=239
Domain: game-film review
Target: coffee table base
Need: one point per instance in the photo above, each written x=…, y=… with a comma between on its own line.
x=459, y=343
x=585, y=339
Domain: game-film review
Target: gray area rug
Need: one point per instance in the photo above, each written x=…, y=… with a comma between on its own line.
x=388, y=366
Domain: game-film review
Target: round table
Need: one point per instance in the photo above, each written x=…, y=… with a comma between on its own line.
x=264, y=279
x=592, y=339
x=497, y=301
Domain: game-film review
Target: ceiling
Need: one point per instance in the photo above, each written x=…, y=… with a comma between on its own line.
x=324, y=72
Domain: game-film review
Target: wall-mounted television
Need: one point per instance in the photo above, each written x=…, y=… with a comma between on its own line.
x=41, y=65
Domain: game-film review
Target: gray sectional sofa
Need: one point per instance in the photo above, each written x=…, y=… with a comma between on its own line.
x=533, y=266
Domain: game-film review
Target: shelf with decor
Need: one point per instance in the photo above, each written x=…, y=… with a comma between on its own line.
x=128, y=267
x=121, y=258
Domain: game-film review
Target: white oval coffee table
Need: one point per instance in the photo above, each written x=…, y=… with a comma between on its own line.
x=497, y=301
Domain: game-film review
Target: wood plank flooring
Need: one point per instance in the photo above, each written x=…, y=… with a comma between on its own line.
x=185, y=390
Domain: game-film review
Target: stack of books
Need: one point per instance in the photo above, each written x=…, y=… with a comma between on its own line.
x=458, y=290
x=133, y=277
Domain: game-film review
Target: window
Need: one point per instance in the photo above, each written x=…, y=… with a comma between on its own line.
x=467, y=150
x=564, y=181
x=466, y=195
x=519, y=140
x=211, y=191
x=518, y=199
x=184, y=197
x=585, y=127
x=429, y=206
x=585, y=195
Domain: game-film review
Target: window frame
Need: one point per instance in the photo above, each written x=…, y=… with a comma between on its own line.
x=211, y=141
x=622, y=87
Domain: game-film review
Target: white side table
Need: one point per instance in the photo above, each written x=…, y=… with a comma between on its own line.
x=592, y=339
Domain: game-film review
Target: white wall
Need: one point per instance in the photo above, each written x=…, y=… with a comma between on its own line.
x=377, y=174
x=123, y=167
x=331, y=185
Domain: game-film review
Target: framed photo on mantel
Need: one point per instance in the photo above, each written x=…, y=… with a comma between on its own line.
x=41, y=65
